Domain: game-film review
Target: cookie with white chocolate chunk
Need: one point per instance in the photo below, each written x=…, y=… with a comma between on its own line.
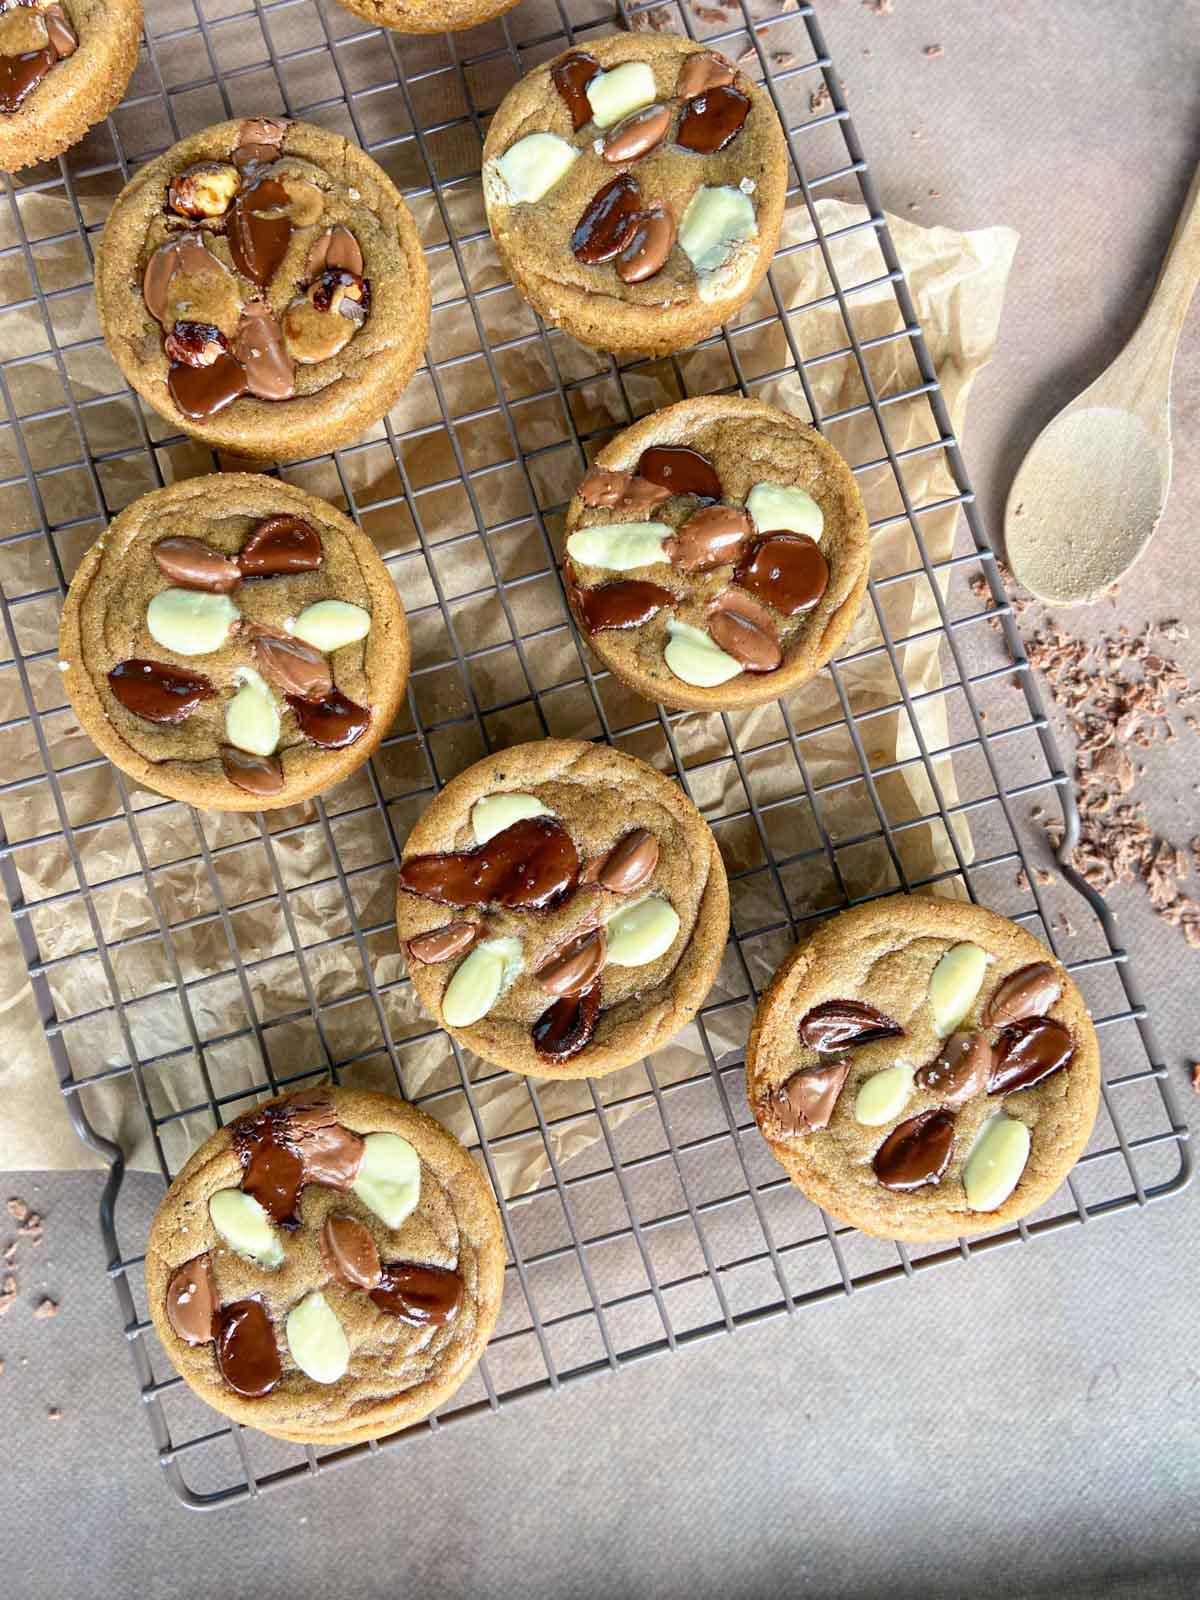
x=64, y=65
x=327, y=1268
x=563, y=908
x=263, y=286
x=716, y=554
x=924, y=1069
x=635, y=190
x=234, y=642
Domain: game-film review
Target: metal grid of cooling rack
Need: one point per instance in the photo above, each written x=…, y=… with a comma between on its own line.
x=658, y=1228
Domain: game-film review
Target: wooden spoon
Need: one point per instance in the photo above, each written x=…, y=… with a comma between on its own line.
x=1091, y=490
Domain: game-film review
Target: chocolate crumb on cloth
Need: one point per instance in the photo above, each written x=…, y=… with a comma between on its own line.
x=716, y=554
x=563, y=907
x=234, y=642
x=634, y=189
x=263, y=286
x=327, y=1268
x=64, y=65
x=923, y=1069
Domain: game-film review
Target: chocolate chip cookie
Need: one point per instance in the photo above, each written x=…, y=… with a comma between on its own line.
x=262, y=285
x=635, y=190
x=327, y=1268
x=234, y=642
x=428, y=16
x=64, y=65
x=924, y=1069
x=563, y=908
x=716, y=554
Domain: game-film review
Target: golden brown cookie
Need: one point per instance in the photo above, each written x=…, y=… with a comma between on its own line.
x=428, y=16
x=635, y=190
x=716, y=554
x=262, y=285
x=64, y=65
x=327, y=1268
x=923, y=1069
x=563, y=908
x=234, y=642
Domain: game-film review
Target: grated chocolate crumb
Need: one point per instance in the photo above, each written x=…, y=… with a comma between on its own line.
x=933, y=51
x=45, y=1308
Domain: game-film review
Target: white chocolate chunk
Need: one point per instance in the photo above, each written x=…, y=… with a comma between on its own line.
x=245, y=1227
x=694, y=658
x=190, y=622
x=619, y=546
x=495, y=812
x=479, y=980
x=641, y=933
x=389, y=1180
x=252, y=717
x=531, y=167
x=627, y=88
x=329, y=624
x=717, y=219
x=996, y=1162
x=883, y=1096
x=316, y=1339
x=954, y=984
x=774, y=508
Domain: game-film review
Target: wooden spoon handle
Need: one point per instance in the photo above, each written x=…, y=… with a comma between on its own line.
x=1177, y=278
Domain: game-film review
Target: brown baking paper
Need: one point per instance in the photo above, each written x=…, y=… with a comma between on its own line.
x=958, y=282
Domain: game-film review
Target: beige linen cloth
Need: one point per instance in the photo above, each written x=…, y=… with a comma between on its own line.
x=958, y=282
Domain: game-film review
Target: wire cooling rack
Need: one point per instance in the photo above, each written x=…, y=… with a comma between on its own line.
x=657, y=1219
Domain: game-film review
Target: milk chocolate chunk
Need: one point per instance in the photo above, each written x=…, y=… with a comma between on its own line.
x=620, y=491
x=626, y=603
x=745, y=630
x=1028, y=992
x=844, y=1024
x=574, y=967
x=201, y=392
x=260, y=230
x=712, y=120
x=157, y=692
x=786, y=570
x=637, y=135
x=916, y=1152
x=333, y=722
x=192, y=564
x=258, y=345
x=571, y=77
x=680, y=469
x=806, y=1101
x=349, y=1252
x=566, y=1027
x=960, y=1070
x=649, y=245
x=260, y=141
x=274, y=1177
x=278, y=545
x=444, y=944
x=1027, y=1052
x=336, y=248
x=630, y=863
x=608, y=221
x=332, y=1155
x=532, y=865
x=62, y=36
x=260, y=775
x=709, y=538
x=246, y=1350
x=192, y=1301
x=422, y=1296
x=186, y=254
x=292, y=666
x=704, y=70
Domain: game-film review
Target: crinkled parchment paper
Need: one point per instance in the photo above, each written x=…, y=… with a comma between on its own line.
x=958, y=282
